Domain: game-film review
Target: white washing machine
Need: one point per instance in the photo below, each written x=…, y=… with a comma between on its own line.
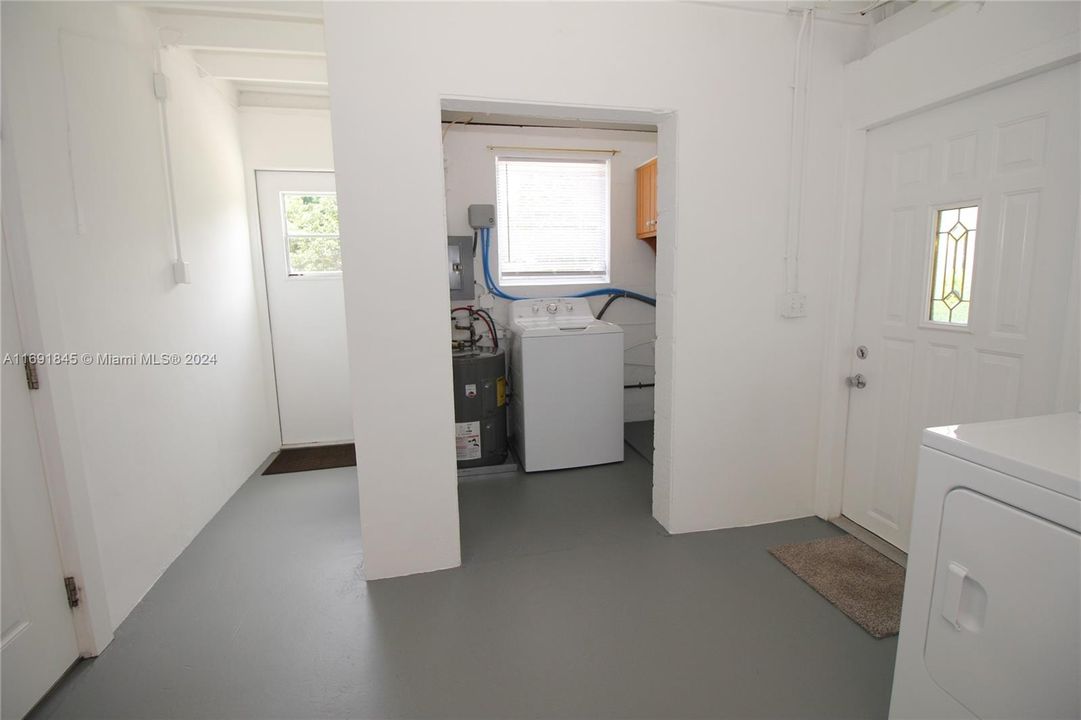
x=991, y=621
x=566, y=383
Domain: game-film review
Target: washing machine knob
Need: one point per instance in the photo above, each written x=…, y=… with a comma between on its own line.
x=552, y=308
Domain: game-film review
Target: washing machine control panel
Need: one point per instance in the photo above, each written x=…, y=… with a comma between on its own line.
x=561, y=308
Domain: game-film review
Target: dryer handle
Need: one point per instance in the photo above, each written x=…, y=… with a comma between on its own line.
x=951, y=600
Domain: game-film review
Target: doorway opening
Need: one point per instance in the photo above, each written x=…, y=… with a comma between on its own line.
x=552, y=225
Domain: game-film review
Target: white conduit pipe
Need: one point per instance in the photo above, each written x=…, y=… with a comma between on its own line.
x=180, y=268
x=807, y=76
x=796, y=151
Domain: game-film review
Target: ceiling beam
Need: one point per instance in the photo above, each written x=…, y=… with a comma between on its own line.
x=253, y=67
x=255, y=98
x=283, y=9
x=238, y=34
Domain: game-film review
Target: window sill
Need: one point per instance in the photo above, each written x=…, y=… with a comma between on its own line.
x=520, y=282
x=330, y=275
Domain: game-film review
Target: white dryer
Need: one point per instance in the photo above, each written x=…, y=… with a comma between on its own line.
x=991, y=621
x=566, y=384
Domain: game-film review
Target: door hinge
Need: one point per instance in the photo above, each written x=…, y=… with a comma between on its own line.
x=72, y=590
x=31, y=374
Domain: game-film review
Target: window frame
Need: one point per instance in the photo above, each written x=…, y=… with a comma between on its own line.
x=929, y=238
x=553, y=280
x=315, y=274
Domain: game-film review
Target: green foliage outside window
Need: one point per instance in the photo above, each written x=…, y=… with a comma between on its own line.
x=311, y=214
x=312, y=229
x=315, y=254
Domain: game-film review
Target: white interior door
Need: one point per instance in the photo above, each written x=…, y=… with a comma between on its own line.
x=969, y=237
x=298, y=221
x=38, y=635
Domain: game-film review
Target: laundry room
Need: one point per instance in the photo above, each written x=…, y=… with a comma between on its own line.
x=607, y=360
x=551, y=228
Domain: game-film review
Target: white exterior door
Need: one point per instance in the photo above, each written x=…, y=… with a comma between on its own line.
x=969, y=237
x=298, y=221
x=38, y=635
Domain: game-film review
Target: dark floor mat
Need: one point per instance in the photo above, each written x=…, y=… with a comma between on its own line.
x=318, y=457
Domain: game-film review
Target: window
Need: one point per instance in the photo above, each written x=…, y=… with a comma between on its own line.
x=952, y=265
x=552, y=221
x=311, y=233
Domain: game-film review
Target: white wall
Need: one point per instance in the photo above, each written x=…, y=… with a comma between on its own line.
x=982, y=44
x=470, y=179
x=738, y=387
x=285, y=139
x=162, y=448
x=279, y=139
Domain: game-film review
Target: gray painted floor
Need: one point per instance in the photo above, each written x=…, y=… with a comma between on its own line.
x=572, y=602
x=639, y=435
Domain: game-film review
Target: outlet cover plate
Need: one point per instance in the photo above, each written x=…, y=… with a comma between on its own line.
x=793, y=305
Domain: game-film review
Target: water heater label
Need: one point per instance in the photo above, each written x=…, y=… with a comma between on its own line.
x=467, y=440
x=501, y=392
x=470, y=391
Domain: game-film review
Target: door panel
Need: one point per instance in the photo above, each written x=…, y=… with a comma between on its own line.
x=37, y=636
x=1013, y=153
x=307, y=319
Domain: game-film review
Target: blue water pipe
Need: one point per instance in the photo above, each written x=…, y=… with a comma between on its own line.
x=494, y=289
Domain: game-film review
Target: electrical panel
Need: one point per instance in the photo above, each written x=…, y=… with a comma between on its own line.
x=460, y=266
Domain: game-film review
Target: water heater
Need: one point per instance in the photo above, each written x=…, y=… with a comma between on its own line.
x=480, y=406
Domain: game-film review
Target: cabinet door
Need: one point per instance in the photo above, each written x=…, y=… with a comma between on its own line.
x=641, y=225
x=652, y=197
x=646, y=177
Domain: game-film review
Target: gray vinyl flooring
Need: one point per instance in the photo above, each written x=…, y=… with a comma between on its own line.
x=571, y=602
x=639, y=435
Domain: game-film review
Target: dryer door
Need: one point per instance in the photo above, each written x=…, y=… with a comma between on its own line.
x=1005, y=619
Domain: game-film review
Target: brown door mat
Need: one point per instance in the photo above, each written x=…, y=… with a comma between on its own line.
x=861, y=582
x=316, y=457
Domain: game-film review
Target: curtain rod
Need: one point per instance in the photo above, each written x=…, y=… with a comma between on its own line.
x=611, y=151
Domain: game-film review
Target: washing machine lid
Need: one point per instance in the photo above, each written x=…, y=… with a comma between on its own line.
x=1044, y=450
x=557, y=317
x=561, y=328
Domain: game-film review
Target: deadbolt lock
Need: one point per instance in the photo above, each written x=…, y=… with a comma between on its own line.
x=861, y=352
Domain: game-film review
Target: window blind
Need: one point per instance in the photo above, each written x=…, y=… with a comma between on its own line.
x=552, y=220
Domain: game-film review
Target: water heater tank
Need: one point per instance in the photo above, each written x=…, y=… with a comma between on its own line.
x=480, y=407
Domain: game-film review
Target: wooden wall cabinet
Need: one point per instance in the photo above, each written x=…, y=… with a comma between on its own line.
x=646, y=182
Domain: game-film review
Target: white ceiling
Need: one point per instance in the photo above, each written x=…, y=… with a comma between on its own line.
x=271, y=52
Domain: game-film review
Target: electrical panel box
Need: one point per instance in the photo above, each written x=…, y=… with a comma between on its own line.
x=460, y=266
x=481, y=216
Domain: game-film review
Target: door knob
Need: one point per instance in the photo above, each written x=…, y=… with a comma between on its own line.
x=857, y=381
